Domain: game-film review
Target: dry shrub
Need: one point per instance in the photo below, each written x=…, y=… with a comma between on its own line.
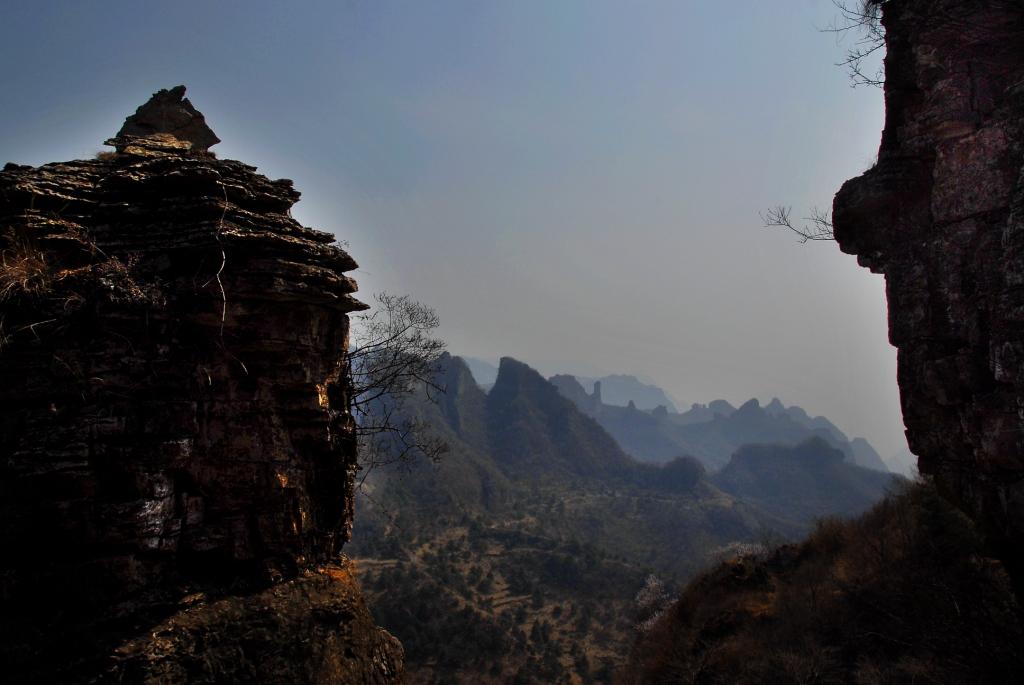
x=40, y=294
x=23, y=272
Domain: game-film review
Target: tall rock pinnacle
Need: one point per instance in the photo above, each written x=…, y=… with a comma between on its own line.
x=177, y=451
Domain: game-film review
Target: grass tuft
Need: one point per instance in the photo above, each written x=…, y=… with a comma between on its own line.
x=23, y=272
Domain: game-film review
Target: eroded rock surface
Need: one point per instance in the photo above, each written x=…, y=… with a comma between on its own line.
x=942, y=216
x=329, y=637
x=175, y=442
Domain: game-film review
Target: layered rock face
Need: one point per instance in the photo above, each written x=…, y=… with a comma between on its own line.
x=942, y=216
x=177, y=451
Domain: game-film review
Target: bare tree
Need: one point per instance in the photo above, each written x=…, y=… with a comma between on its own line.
x=394, y=359
x=817, y=226
x=863, y=18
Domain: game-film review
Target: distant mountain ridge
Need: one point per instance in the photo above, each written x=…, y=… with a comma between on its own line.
x=615, y=389
x=712, y=432
x=529, y=430
x=770, y=475
x=623, y=389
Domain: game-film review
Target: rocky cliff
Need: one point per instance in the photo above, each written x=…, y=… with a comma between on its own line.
x=177, y=451
x=942, y=216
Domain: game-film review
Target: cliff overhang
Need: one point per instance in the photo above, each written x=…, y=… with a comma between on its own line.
x=941, y=215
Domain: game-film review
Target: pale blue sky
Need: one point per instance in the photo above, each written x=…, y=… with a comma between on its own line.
x=575, y=183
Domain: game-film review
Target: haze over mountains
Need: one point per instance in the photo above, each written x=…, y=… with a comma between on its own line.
x=520, y=552
x=616, y=389
x=903, y=462
x=644, y=421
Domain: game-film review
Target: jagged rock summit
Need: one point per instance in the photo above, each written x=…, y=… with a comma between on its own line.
x=170, y=117
x=177, y=455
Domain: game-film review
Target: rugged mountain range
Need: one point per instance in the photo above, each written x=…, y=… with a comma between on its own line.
x=543, y=529
x=712, y=432
x=616, y=389
x=525, y=438
x=621, y=390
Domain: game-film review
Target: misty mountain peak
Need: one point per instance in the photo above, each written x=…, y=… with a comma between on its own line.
x=721, y=407
x=515, y=375
x=751, y=406
x=863, y=454
x=568, y=383
x=456, y=373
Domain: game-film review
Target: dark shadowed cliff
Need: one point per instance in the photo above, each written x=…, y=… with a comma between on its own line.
x=941, y=215
x=177, y=450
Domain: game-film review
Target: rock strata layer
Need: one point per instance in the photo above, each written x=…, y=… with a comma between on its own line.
x=176, y=450
x=942, y=216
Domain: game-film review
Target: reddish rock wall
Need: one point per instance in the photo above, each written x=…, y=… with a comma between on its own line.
x=174, y=419
x=942, y=216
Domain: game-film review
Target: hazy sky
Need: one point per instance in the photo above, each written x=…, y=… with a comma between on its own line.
x=575, y=183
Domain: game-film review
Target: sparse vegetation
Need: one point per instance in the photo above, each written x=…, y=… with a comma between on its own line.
x=814, y=227
x=23, y=271
x=28, y=277
x=904, y=593
x=520, y=609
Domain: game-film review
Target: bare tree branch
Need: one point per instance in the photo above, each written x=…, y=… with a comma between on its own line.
x=817, y=226
x=394, y=359
x=863, y=17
